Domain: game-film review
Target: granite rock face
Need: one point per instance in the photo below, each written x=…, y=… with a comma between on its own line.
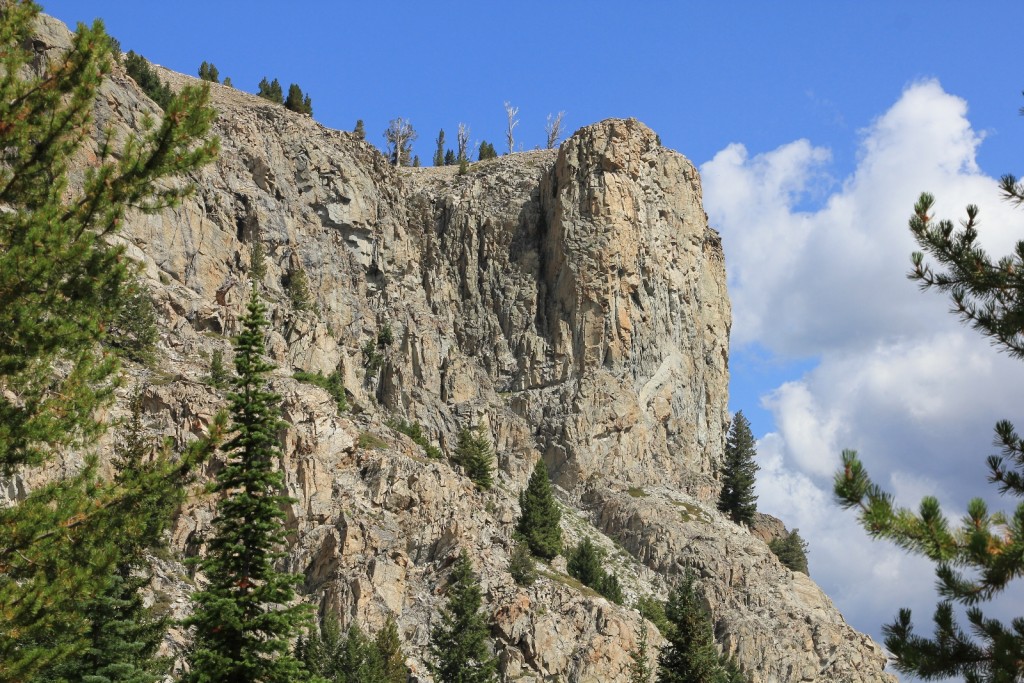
x=571, y=304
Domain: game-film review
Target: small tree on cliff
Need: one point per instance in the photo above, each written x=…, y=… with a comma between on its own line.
x=737, y=498
x=243, y=624
x=474, y=454
x=459, y=649
x=690, y=656
x=539, y=518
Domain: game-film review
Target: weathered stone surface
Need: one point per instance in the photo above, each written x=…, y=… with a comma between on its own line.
x=570, y=303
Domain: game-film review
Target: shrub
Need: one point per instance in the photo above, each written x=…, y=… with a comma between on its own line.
x=475, y=456
x=415, y=432
x=521, y=566
x=333, y=383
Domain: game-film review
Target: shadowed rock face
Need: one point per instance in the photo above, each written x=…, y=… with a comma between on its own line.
x=572, y=304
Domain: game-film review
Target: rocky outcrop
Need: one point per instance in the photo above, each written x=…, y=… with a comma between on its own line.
x=570, y=303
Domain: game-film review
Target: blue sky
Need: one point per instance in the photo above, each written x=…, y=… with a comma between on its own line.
x=815, y=127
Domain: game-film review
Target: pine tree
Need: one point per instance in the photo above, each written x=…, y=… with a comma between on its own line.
x=976, y=561
x=271, y=91
x=473, y=453
x=487, y=151
x=359, y=130
x=208, y=72
x=791, y=551
x=399, y=137
x=640, y=666
x=439, y=152
x=59, y=283
x=298, y=289
x=459, y=648
x=449, y=158
x=243, y=624
x=521, y=567
x=146, y=77
x=584, y=564
x=737, y=497
x=389, y=653
x=297, y=102
x=690, y=655
x=540, y=517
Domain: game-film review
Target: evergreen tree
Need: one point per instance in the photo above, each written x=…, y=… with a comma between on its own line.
x=640, y=666
x=584, y=564
x=399, y=137
x=439, y=152
x=459, y=649
x=389, y=653
x=145, y=77
x=132, y=330
x=791, y=551
x=297, y=102
x=690, y=655
x=208, y=72
x=521, y=567
x=298, y=290
x=360, y=130
x=219, y=375
x=243, y=624
x=540, y=517
x=976, y=561
x=59, y=283
x=271, y=91
x=257, y=261
x=737, y=497
x=473, y=453
x=227, y=82
x=487, y=151
x=449, y=158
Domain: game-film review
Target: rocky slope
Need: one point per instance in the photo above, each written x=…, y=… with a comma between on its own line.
x=572, y=304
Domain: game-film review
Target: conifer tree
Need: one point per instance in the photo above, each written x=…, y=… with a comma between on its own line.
x=271, y=90
x=540, y=517
x=297, y=102
x=474, y=454
x=146, y=77
x=59, y=282
x=242, y=619
x=521, y=567
x=459, y=648
x=389, y=653
x=449, y=158
x=791, y=551
x=977, y=560
x=690, y=655
x=439, y=152
x=640, y=666
x=359, y=130
x=208, y=72
x=737, y=497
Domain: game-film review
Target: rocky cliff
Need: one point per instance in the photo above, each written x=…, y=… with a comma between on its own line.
x=570, y=303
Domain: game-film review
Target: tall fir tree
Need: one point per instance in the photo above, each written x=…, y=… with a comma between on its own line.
x=243, y=619
x=439, y=152
x=640, y=670
x=59, y=282
x=690, y=655
x=739, y=471
x=459, y=648
x=540, y=517
x=976, y=561
x=473, y=453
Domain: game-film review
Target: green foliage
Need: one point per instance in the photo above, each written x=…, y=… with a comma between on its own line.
x=60, y=282
x=459, y=651
x=359, y=130
x=640, y=667
x=653, y=610
x=297, y=102
x=354, y=658
x=132, y=330
x=244, y=620
x=371, y=441
x=415, y=432
x=463, y=166
x=975, y=561
x=271, y=91
x=540, y=517
x=439, y=152
x=257, y=261
x=146, y=77
x=521, y=566
x=449, y=158
x=208, y=72
x=737, y=497
x=487, y=151
x=385, y=337
x=227, y=82
x=219, y=376
x=399, y=137
x=791, y=551
x=297, y=287
x=473, y=453
x=333, y=384
x=586, y=564
x=690, y=656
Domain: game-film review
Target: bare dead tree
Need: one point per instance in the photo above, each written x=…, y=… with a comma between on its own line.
x=462, y=138
x=553, y=128
x=511, y=112
x=399, y=136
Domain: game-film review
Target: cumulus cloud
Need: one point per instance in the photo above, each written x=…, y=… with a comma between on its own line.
x=817, y=269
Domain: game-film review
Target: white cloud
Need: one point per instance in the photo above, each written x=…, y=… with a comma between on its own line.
x=898, y=378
